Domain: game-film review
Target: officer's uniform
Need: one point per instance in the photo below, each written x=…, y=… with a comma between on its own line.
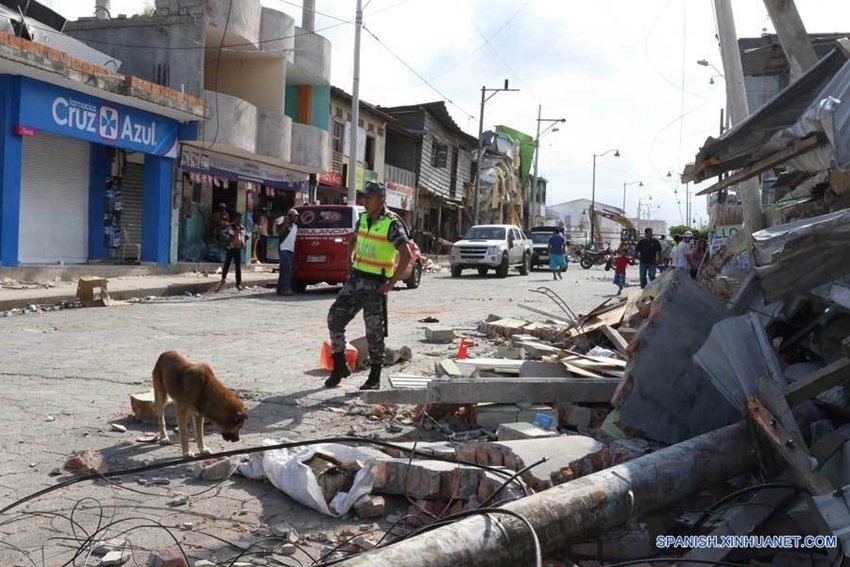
x=375, y=253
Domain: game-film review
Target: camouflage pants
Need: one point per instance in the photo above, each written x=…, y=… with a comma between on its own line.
x=358, y=293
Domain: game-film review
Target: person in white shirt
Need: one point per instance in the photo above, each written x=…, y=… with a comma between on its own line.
x=288, y=231
x=682, y=252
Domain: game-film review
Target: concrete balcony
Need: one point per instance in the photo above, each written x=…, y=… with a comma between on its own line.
x=232, y=121
x=310, y=146
x=243, y=26
x=276, y=25
x=274, y=135
x=312, y=60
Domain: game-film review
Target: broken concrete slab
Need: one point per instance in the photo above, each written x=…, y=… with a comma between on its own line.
x=491, y=416
x=665, y=395
x=447, y=368
x=562, y=451
x=440, y=335
x=522, y=430
x=143, y=408
x=499, y=390
x=543, y=369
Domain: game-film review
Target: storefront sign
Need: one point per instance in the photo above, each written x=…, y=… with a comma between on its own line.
x=400, y=196
x=76, y=115
x=364, y=176
x=331, y=178
x=232, y=167
x=717, y=238
x=25, y=132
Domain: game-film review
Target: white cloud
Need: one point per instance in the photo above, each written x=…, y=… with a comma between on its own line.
x=610, y=67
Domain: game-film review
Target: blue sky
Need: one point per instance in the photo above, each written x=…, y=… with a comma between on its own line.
x=621, y=72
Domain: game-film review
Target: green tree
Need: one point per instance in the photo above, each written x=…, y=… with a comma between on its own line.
x=681, y=228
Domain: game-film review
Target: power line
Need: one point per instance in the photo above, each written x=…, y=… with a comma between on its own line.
x=652, y=64
x=412, y=70
x=217, y=66
x=481, y=46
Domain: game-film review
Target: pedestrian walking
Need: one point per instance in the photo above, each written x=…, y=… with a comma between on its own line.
x=682, y=253
x=557, y=255
x=699, y=257
x=288, y=232
x=235, y=238
x=621, y=262
x=381, y=235
x=648, y=251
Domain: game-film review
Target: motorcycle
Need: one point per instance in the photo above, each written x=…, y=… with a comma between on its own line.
x=590, y=258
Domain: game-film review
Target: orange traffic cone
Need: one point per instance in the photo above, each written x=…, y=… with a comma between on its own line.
x=461, y=351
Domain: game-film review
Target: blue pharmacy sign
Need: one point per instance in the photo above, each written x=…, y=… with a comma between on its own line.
x=69, y=113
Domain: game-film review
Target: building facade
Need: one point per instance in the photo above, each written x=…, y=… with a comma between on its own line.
x=70, y=123
x=575, y=216
x=266, y=83
x=371, y=146
x=425, y=146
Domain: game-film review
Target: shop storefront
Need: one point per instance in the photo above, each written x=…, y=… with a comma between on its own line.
x=250, y=184
x=65, y=155
x=331, y=189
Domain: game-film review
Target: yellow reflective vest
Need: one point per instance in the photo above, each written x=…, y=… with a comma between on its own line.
x=374, y=254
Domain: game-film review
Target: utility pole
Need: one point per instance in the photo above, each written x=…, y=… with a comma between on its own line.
x=308, y=16
x=792, y=35
x=355, y=108
x=484, y=99
x=736, y=98
x=533, y=195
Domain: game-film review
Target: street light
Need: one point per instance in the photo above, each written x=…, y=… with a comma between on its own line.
x=554, y=121
x=624, y=192
x=593, y=190
x=640, y=204
x=484, y=98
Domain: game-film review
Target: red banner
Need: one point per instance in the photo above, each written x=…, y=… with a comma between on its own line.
x=331, y=178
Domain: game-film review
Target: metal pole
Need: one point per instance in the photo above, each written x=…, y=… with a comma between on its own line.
x=593, y=202
x=578, y=509
x=478, y=163
x=624, y=198
x=533, y=196
x=355, y=108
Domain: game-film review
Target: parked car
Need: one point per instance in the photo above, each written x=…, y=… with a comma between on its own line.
x=492, y=246
x=539, y=236
x=321, y=247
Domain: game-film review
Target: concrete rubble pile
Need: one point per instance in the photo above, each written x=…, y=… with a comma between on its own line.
x=619, y=424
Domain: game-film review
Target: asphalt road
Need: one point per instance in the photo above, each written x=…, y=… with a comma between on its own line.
x=67, y=375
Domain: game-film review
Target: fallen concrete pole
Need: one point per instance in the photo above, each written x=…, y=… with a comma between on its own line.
x=578, y=509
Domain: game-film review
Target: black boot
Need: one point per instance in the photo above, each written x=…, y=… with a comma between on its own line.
x=374, y=381
x=340, y=371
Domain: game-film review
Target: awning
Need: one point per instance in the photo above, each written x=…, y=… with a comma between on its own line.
x=234, y=163
x=755, y=138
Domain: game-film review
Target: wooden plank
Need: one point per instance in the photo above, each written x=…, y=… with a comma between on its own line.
x=579, y=371
x=496, y=364
x=797, y=148
x=616, y=339
x=796, y=455
x=596, y=323
x=500, y=390
x=608, y=361
x=835, y=374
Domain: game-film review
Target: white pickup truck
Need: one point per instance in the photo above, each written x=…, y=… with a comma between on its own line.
x=496, y=246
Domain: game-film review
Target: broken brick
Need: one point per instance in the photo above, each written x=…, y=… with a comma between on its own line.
x=369, y=506
x=571, y=415
x=168, y=557
x=86, y=462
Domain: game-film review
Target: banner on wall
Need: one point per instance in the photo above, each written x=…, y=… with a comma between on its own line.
x=717, y=238
x=400, y=196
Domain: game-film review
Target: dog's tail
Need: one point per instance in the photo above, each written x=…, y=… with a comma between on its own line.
x=160, y=396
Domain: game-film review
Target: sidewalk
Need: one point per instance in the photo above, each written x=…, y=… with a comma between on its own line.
x=123, y=288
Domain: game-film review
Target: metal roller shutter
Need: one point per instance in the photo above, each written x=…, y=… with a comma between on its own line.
x=132, y=191
x=54, y=225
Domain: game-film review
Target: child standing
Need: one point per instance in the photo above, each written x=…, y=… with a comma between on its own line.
x=620, y=263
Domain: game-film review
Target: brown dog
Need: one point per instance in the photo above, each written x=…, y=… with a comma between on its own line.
x=197, y=394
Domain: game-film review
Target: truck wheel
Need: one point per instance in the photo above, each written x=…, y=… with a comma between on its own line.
x=502, y=270
x=482, y=271
x=526, y=265
x=456, y=271
x=415, y=276
x=586, y=262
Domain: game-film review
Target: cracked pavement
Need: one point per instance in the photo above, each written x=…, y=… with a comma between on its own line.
x=68, y=374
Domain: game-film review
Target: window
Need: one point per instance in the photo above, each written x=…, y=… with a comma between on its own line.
x=439, y=154
x=337, y=138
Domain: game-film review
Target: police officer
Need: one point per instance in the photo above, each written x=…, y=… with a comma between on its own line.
x=372, y=253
